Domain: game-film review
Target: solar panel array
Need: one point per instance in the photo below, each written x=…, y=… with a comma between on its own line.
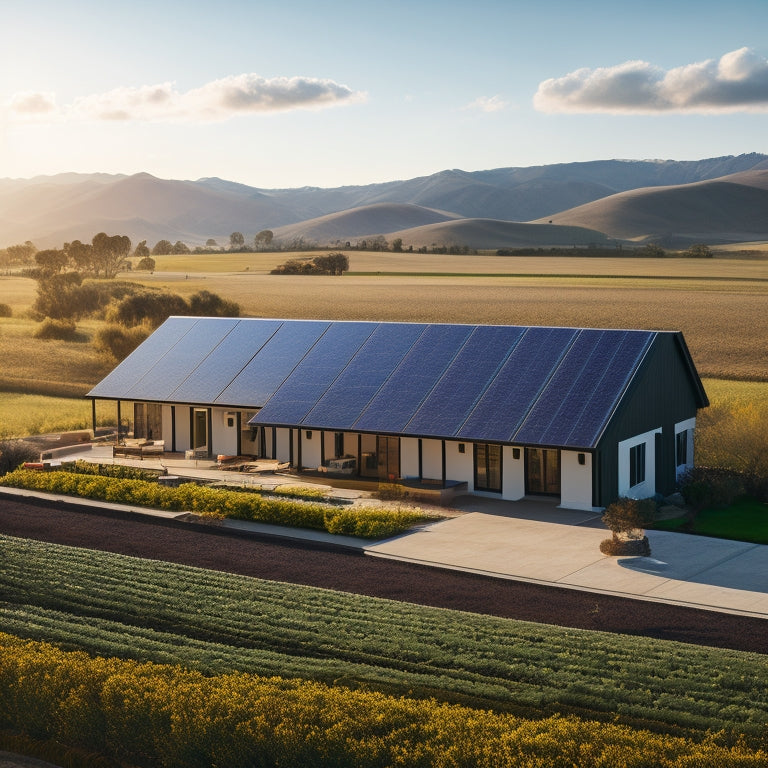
x=511, y=384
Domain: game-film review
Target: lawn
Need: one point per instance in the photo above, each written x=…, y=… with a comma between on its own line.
x=746, y=520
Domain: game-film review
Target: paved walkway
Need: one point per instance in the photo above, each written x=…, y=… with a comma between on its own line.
x=540, y=542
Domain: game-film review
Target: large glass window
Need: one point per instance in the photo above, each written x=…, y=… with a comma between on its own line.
x=388, y=451
x=542, y=471
x=148, y=421
x=636, y=465
x=487, y=467
x=681, y=447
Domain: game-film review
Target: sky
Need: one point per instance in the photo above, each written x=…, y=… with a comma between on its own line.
x=294, y=93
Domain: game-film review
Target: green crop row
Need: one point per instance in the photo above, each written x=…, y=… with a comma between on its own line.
x=221, y=623
x=370, y=522
x=146, y=714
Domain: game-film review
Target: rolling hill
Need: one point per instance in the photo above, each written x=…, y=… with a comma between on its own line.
x=713, y=200
x=729, y=209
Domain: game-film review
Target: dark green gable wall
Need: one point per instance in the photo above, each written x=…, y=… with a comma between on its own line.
x=665, y=391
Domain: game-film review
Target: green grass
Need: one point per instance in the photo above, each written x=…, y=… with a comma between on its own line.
x=113, y=605
x=22, y=415
x=746, y=520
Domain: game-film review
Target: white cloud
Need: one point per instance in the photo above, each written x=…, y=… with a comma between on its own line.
x=487, y=104
x=32, y=103
x=217, y=100
x=737, y=82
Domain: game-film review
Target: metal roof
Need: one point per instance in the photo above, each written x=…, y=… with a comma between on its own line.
x=510, y=384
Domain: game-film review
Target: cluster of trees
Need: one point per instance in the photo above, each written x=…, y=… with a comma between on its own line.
x=329, y=264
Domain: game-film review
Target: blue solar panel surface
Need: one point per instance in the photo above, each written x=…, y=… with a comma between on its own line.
x=224, y=361
x=341, y=406
x=465, y=380
x=316, y=372
x=273, y=363
x=401, y=395
x=181, y=359
x=524, y=375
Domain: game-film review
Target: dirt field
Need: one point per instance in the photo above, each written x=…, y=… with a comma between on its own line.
x=349, y=571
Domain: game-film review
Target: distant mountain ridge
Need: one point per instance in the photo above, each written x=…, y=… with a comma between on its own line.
x=640, y=200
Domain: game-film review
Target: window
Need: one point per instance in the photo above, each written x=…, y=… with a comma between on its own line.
x=338, y=444
x=681, y=447
x=487, y=467
x=636, y=465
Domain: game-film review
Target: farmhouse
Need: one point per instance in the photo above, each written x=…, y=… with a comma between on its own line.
x=584, y=415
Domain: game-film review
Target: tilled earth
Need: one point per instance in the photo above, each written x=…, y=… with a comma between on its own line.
x=299, y=562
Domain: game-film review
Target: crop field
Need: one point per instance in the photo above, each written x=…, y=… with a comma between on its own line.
x=112, y=605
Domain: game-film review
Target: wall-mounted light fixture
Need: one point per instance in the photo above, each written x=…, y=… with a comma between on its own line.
x=582, y=459
x=308, y=434
x=516, y=454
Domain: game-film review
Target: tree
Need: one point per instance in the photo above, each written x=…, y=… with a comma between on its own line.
x=109, y=253
x=397, y=245
x=141, y=251
x=162, y=248
x=699, y=251
x=147, y=264
x=51, y=261
x=236, y=241
x=80, y=255
x=21, y=253
x=179, y=247
x=263, y=239
x=211, y=243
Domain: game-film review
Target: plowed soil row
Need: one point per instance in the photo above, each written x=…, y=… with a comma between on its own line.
x=350, y=571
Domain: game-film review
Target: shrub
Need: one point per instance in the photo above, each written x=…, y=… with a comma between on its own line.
x=626, y=518
x=207, y=304
x=5, y=310
x=151, y=307
x=147, y=264
x=704, y=487
x=118, y=342
x=62, y=330
x=13, y=453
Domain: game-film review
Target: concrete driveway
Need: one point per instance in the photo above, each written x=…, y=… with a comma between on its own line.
x=537, y=541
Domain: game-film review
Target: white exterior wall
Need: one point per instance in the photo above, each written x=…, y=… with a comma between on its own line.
x=576, y=479
x=183, y=438
x=409, y=456
x=513, y=473
x=311, y=448
x=224, y=437
x=647, y=488
x=688, y=425
x=283, y=444
x=432, y=459
x=459, y=466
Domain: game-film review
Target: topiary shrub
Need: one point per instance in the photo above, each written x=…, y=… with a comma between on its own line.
x=61, y=330
x=626, y=518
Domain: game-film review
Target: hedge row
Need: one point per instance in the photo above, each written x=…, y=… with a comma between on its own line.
x=366, y=522
x=146, y=714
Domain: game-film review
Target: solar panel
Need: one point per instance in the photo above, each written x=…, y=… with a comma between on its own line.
x=341, y=406
x=467, y=377
x=575, y=392
x=400, y=396
x=224, y=362
x=273, y=363
x=315, y=373
x=506, y=402
x=181, y=359
x=586, y=427
x=148, y=354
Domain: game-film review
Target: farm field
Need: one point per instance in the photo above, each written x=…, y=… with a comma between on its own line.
x=217, y=623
